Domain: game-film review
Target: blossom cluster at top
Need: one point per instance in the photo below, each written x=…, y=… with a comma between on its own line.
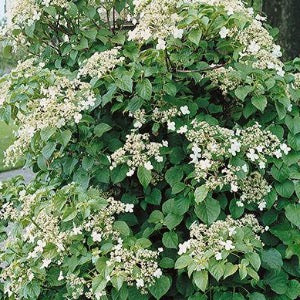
x=55, y=101
x=46, y=241
x=100, y=63
x=215, y=243
x=213, y=147
x=156, y=19
x=137, y=151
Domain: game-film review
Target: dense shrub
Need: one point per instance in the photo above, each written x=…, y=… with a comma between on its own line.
x=165, y=137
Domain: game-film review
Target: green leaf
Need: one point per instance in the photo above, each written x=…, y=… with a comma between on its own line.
x=292, y=212
x=48, y=150
x=144, y=176
x=125, y=83
x=144, y=89
x=293, y=291
x=172, y=220
x=217, y=270
x=195, y=36
x=285, y=189
x=101, y=128
x=156, y=217
x=183, y=261
x=257, y=296
x=174, y=175
x=201, y=193
x=200, y=278
x=118, y=174
x=230, y=269
x=254, y=260
x=271, y=259
x=161, y=287
x=170, y=239
x=260, y=102
x=122, y=227
x=154, y=198
x=242, y=91
x=208, y=210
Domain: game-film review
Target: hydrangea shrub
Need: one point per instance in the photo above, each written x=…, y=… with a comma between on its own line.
x=165, y=138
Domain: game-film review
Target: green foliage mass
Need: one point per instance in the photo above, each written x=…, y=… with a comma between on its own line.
x=75, y=171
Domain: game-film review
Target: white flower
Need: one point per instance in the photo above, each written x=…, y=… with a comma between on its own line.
x=129, y=208
x=161, y=45
x=245, y=168
x=171, y=126
x=277, y=51
x=290, y=107
x=234, y=187
x=30, y=276
x=137, y=124
x=147, y=34
x=165, y=143
x=218, y=256
x=130, y=173
x=184, y=247
x=228, y=245
x=46, y=263
x=159, y=158
x=230, y=11
x=148, y=165
x=262, y=165
x=223, y=32
x=157, y=273
x=262, y=205
x=259, y=149
x=177, y=33
x=160, y=249
x=97, y=237
x=185, y=110
x=285, y=148
x=1, y=185
x=60, y=277
x=76, y=230
x=231, y=231
x=278, y=153
x=235, y=148
x=280, y=72
x=140, y=283
x=253, y=47
x=252, y=155
x=239, y=203
x=22, y=193
x=205, y=164
x=77, y=117
x=182, y=129
x=267, y=228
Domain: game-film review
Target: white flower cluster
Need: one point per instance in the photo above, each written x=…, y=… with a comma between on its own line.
x=48, y=241
x=137, y=151
x=156, y=19
x=296, y=84
x=158, y=115
x=27, y=12
x=213, y=147
x=222, y=238
x=56, y=101
x=125, y=261
x=100, y=63
x=227, y=79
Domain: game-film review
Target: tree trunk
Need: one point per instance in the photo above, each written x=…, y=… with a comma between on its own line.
x=285, y=14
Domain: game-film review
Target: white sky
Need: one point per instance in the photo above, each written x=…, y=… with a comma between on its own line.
x=2, y=2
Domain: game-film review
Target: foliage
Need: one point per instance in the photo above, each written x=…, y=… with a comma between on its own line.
x=165, y=139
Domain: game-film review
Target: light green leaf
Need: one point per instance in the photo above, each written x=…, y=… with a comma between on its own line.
x=101, y=128
x=144, y=176
x=161, y=287
x=201, y=193
x=208, y=210
x=200, y=278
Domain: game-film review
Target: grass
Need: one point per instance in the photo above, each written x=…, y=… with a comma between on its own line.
x=6, y=139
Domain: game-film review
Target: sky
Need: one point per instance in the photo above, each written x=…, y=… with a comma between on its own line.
x=2, y=2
